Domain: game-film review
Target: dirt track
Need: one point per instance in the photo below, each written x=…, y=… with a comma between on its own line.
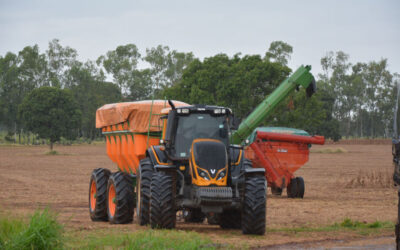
x=30, y=179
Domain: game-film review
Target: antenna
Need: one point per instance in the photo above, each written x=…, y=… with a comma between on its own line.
x=171, y=104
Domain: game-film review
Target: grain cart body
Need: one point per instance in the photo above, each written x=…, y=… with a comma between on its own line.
x=130, y=128
x=281, y=151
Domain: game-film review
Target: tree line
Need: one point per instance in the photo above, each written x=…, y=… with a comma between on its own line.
x=353, y=100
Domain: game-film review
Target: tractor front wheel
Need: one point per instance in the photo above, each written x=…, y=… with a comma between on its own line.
x=143, y=191
x=120, y=198
x=254, y=205
x=98, y=194
x=162, y=200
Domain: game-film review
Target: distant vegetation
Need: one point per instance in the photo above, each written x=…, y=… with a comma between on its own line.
x=353, y=100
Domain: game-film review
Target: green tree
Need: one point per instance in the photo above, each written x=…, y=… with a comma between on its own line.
x=60, y=60
x=51, y=113
x=166, y=66
x=121, y=63
x=9, y=92
x=279, y=52
x=91, y=92
x=240, y=83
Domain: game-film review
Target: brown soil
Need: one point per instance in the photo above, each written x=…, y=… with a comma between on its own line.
x=29, y=179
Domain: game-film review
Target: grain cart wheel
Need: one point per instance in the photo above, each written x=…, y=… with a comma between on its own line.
x=276, y=191
x=162, y=200
x=254, y=205
x=120, y=198
x=143, y=191
x=292, y=188
x=193, y=215
x=230, y=218
x=300, y=187
x=98, y=194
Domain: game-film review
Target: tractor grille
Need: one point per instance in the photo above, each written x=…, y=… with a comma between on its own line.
x=214, y=194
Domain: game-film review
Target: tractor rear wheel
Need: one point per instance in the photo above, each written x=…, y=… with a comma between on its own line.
x=120, y=198
x=276, y=191
x=98, y=194
x=230, y=219
x=292, y=189
x=254, y=205
x=300, y=187
x=162, y=200
x=143, y=191
x=193, y=215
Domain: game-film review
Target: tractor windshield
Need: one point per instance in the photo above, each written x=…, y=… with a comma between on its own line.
x=199, y=125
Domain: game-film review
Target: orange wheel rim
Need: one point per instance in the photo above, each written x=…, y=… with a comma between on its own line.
x=92, y=195
x=111, y=200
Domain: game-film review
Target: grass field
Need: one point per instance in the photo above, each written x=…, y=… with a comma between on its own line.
x=347, y=201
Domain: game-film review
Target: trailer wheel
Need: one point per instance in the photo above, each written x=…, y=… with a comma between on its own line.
x=254, y=205
x=120, y=198
x=292, y=188
x=98, y=194
x=162, y=200
x=276, y=191
x=143, y=191
x=300, y=187
x=231, y=218
x=193, y=215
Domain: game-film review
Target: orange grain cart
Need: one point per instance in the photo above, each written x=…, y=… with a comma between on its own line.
x=281, y=151
x=130, y=128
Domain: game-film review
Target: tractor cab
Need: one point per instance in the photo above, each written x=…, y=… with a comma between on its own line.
x=186, y=124
x=197, y=137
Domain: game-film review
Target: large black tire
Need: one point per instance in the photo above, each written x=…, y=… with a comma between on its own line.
x=193, y=215
x=98, y=194
x=230, y=219
x=292, y=189
x=254, y=205
x=143, y=191
x=120, y=198
x=276, y=191
x=300, y=187
x=162, y=200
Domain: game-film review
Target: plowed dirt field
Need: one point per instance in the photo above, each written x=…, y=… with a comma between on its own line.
x=350, y=184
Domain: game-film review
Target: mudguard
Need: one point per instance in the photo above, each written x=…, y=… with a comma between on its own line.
x=236, y=156
x=157, y=155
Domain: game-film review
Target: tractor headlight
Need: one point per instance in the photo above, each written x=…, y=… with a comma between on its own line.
x=221, y=174
x=203, y=174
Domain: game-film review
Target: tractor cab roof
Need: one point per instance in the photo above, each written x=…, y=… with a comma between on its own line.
x=199, y=108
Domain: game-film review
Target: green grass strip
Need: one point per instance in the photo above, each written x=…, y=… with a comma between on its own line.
x=146, y=239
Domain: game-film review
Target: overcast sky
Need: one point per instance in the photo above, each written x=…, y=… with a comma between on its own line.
x=366, y=30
